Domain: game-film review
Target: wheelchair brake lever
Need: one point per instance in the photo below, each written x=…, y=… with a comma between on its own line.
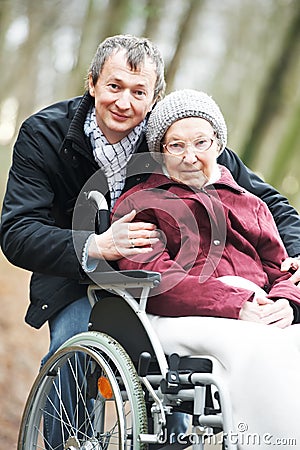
x=143, y=365
x=159, y=416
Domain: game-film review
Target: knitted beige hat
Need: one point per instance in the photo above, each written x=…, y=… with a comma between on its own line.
x=179, y=105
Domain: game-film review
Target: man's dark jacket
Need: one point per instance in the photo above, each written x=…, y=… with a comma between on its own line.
x=52, y=169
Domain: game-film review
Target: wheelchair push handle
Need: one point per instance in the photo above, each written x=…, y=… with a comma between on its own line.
x=97, y=199
x=102, y=216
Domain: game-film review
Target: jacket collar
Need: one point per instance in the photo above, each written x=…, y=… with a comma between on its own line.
x=158, y=179
x=75, y=137
x=227, y=181
x=75, y=132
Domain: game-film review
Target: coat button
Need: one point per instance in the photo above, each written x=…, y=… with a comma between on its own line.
x=44, y=307
x=138, y=179
x=217, y=242
x=65, y=151
x=147, y=165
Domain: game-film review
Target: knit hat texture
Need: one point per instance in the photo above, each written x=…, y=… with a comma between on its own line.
x=179, y=105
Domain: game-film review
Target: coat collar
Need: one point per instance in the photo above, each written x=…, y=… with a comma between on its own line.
x=159, y=180
x=75, y=132
x=227, y=181
x=75, y=138
x=207, y=197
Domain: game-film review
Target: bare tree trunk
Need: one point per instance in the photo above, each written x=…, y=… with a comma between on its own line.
x=272, y=97
x=91, y=35
x=287, y=157
x=184, y=33
x=5, y=21
x=6, y=61
x=25, y=71
x=153, y=9
x=117, y=15
x=98, y=23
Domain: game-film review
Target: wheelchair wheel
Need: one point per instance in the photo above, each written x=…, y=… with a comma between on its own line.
x=107, y=410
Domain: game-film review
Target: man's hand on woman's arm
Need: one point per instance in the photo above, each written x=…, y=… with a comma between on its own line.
x=123, y=238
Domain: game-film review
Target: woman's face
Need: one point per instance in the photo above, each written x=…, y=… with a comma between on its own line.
x=195, y=138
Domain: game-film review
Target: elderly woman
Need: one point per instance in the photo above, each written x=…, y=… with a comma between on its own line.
x=222, y=291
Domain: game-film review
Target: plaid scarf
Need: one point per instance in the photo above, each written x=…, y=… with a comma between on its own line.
x=112, y=158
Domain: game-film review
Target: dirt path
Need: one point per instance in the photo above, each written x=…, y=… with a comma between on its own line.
x=21, y=349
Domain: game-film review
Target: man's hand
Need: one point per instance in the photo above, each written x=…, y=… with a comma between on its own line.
x=268, y=312
x=294, y=264
x=124, y=238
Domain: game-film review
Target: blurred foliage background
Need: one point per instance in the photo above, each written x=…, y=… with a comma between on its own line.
x=245, y=53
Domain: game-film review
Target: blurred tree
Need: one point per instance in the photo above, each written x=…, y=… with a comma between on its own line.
x=117, y=14
x=91, y=33
x=21, y=57
x=185, y=32
x=5, y=21
x=153, y=11
x=24, y=77
x=273, y=96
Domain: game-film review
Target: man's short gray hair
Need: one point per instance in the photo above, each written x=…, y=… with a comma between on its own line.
x=137, y=49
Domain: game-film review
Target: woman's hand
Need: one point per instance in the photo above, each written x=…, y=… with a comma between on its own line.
x=294, y=264
x=268, y=312
x=279, y=313
x=124, y=238
x=252, y=311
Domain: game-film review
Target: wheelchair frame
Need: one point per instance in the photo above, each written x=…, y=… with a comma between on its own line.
x=175, y=381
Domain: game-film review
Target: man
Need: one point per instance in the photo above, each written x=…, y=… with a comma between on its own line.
x=59, y=149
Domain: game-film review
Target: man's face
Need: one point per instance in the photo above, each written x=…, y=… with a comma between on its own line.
x=123, y=97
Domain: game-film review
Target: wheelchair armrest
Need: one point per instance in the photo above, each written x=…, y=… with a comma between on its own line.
x=126, y=278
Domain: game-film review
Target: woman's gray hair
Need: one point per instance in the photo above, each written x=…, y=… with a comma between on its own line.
x=137, y=49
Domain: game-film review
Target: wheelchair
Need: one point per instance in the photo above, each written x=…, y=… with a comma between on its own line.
x=124, y=388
